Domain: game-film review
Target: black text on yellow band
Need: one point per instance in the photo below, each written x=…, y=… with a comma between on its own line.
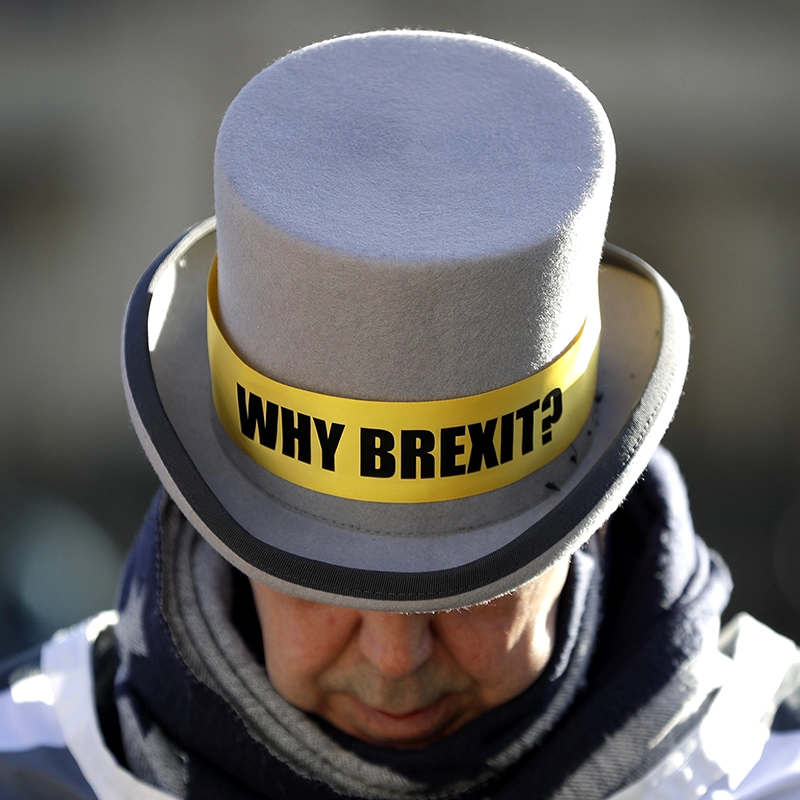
x=403, y=452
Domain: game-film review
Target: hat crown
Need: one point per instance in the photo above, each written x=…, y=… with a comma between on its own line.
x=409, y=215
x=415, y=146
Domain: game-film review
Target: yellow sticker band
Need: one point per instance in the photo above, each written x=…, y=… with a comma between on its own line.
x=403, y=452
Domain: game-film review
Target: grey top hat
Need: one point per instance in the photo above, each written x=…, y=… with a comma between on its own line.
x=388, y=392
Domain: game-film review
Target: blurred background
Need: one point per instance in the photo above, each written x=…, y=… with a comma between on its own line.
x=108, y=116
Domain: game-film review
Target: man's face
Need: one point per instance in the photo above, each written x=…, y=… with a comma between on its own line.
x=405, y=680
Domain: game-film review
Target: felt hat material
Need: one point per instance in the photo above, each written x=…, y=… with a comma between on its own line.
x=404, y=216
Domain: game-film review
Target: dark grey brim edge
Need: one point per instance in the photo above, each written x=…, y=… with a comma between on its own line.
x=563, y=530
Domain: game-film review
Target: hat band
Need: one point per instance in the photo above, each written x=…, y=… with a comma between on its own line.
x=403, y=452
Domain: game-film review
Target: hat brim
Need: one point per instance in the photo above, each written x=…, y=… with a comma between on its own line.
x=643, y=358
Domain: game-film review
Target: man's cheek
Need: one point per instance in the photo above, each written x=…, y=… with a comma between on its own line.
x=295, y=685
x=477, y=653
x=301, y=658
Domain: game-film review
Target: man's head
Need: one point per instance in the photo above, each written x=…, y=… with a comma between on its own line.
x=405, y=680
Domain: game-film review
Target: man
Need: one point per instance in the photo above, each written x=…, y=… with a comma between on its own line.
x=392, y=558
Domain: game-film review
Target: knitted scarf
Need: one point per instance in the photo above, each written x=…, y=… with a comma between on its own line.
x=199, y=717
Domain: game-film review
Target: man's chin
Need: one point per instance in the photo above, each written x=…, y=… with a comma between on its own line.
x=402, y=729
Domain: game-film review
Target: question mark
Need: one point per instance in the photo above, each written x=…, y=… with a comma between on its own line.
x=554, y=399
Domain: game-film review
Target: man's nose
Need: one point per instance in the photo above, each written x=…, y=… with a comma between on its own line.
x=397, y=644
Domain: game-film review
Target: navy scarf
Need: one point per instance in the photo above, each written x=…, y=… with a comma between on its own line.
x=662, y=592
